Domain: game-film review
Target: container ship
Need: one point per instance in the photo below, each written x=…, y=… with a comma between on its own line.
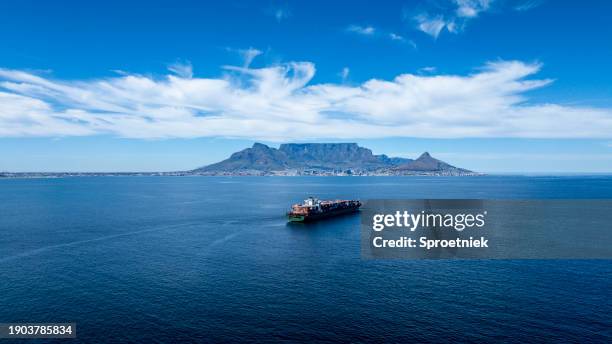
x=315, y=209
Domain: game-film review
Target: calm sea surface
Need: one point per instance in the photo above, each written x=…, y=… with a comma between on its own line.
x=210, y=259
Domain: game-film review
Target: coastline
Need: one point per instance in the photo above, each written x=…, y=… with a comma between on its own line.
x=45, y=175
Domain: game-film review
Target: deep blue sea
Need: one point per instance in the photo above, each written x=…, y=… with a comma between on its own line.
x=212, y=259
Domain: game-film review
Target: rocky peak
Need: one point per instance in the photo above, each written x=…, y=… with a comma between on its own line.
x=426, y=162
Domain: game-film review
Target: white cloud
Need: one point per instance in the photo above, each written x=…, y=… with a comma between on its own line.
x=471, y=8
x=362, y=30
x=184, y=70
x=433, y=25
x=528, y=5
x=279, y=103
x=454, y=15
x=375, y=32
x=344, y=74
x=248, y=55
x=427, y=70
x=399, y=38
x=396, y=37
x=279, y=13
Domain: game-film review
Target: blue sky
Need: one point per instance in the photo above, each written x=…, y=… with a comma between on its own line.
x=495, y=86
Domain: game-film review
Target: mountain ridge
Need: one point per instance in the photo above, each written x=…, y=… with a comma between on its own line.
x=324, y=159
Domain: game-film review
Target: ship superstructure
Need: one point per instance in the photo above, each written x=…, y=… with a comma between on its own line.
x=315, y=209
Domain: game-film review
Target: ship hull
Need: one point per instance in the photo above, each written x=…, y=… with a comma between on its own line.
x=320, y=216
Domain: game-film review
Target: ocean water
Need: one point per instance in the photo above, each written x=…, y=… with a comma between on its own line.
x=212, y=259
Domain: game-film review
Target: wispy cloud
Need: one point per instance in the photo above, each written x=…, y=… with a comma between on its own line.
x=362, y=30
x=344, y=74
x=396, y=37
x=471, y=8
x=182, y=69
x=280, y=12
x=247, y=55
x=279, y=103
x=433, y=25
x=428, y=69
x=371, y=31
x=528, y=5
x=454, y=15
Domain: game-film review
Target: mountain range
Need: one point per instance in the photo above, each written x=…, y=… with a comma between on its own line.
x=324, y=159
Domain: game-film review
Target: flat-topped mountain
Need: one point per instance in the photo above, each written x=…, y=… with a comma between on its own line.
x=335, y=156
x=324, y=159
x=300, y=156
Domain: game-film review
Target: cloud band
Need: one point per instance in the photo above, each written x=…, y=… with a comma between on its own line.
x=279, y=103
